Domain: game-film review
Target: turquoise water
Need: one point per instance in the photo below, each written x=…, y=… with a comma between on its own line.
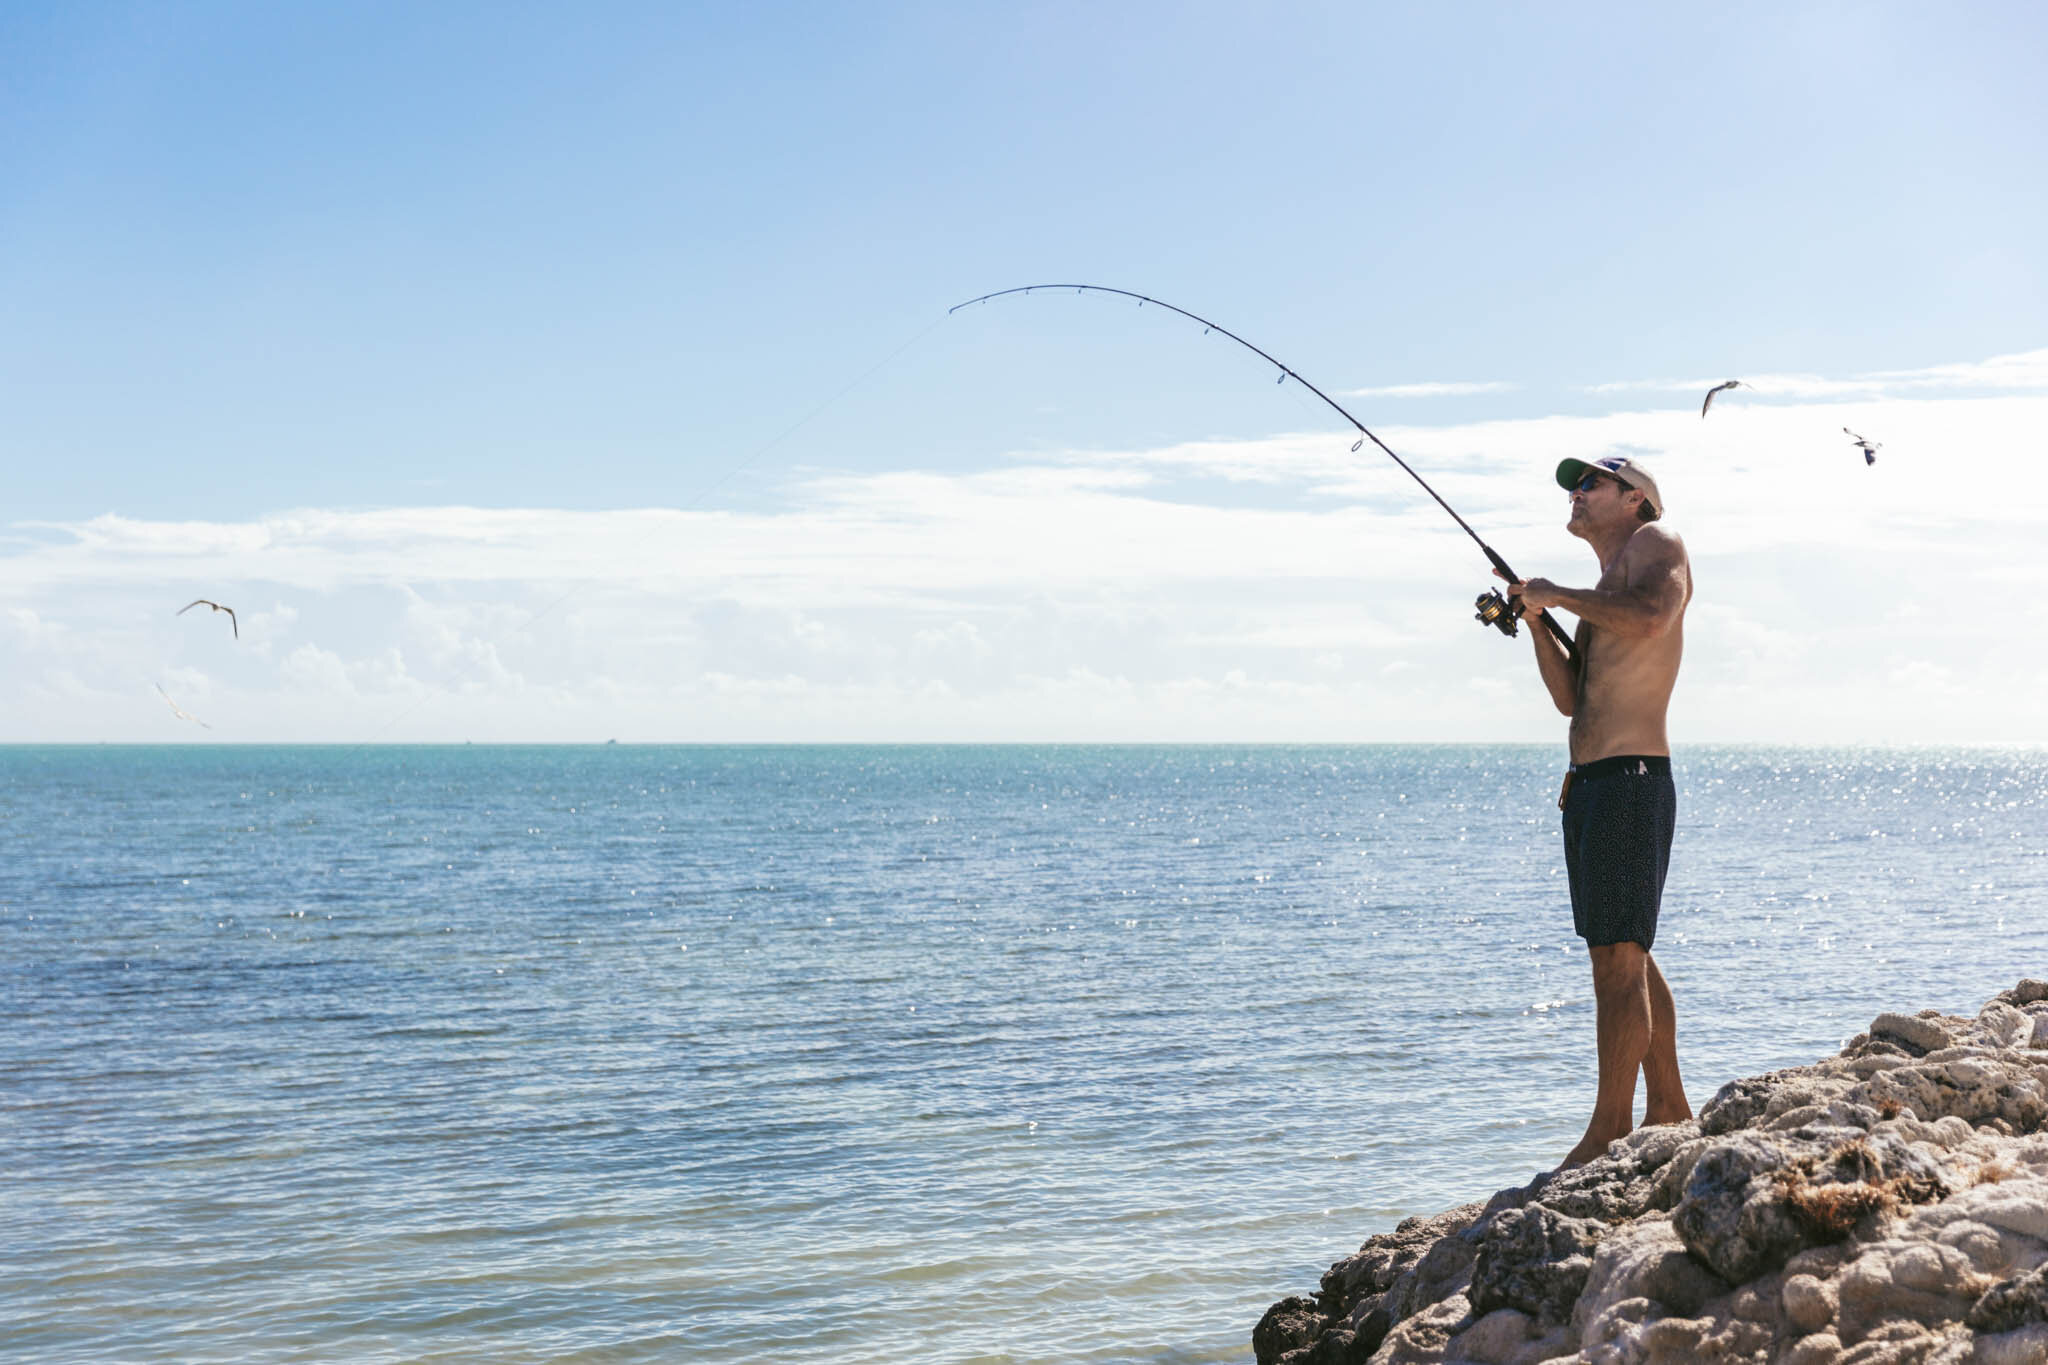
x=869, y=1054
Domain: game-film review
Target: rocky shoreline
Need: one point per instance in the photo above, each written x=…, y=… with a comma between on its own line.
x=1886, y=1206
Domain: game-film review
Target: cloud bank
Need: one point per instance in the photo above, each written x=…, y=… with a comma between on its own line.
x=2025, y=371
x=1278, y=589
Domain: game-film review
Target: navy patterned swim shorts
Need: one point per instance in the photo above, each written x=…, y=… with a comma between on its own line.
x=1618, y=816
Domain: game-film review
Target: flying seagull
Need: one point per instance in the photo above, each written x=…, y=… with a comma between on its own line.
x=179, y=711
x=1869, y=448
x=202, y=602
x=1731, y=384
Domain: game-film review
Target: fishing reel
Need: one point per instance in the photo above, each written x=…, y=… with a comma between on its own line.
x=1496, y=610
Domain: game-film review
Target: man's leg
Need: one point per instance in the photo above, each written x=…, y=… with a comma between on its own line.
x=1664, y=1097
x=1621, y=993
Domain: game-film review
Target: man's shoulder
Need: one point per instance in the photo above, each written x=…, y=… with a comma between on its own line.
x=1655, y=541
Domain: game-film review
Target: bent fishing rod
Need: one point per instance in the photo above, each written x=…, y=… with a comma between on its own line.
x=1494, y=608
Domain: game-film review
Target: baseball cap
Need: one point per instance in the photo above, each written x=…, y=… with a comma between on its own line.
x=1633, y=475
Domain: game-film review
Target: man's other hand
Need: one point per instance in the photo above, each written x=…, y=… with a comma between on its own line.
x=1535, y=594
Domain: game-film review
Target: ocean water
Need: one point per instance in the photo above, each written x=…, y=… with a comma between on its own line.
x=869, y=1054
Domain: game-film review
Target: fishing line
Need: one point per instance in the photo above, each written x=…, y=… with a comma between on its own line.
x=1494, y=609
x=466, y=674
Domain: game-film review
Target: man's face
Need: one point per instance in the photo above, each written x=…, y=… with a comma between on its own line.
x=1598, y=501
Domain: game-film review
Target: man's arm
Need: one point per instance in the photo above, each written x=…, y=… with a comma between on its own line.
x=1647, y=604
x=1560, y=672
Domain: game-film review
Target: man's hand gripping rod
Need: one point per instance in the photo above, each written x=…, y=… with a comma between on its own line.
x=1494, y=609
x=1502, y=612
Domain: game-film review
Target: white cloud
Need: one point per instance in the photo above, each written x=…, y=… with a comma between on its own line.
x=27, y=626
x=2025, y=371
x=956, y=638
x=1923, y=675
x=1090, y=595
x=310, y=668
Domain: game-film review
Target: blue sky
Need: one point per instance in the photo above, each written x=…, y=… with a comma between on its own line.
x=327, y=262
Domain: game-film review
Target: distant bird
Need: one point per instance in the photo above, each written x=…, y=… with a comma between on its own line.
x=1869, y=448
x=1731, y=384
x=177, y=710
x=202, y=602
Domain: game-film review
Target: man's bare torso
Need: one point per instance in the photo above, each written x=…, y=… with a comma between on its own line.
x=1625, y=683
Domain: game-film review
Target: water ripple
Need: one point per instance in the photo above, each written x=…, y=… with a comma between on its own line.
x=1010, y=1054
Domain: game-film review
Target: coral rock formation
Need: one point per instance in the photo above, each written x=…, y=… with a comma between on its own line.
x=1888, y=1206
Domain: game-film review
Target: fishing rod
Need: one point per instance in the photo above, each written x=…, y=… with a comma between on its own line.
x=1494, y=607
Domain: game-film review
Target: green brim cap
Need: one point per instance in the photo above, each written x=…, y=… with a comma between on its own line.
x=1631, y=475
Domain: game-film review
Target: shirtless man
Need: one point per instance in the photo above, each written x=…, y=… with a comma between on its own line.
x=1618, y=800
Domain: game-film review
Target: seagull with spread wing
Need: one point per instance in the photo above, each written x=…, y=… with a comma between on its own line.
x=1869, y=448
x=203, y=602
x=180, y=712
x=1731, y=384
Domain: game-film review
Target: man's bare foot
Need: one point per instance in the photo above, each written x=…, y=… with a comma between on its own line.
x=1678, y=1113
x=1590, y=1146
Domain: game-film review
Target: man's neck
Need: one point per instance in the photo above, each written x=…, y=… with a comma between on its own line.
x=1608, y=544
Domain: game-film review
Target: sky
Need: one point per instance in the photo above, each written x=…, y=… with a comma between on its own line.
x=564, y=373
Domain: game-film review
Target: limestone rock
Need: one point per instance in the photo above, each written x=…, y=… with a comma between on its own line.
x=2027, y=1346
x=1835, y=1113
x=1681, y=1341
x=2018, y=1206
x=1426, y=1335
x=1885, y=1206
x=1741, y=1103
x=1755, y=1198
x=1822, y=1348
x=1630, y=1180
x=1971, y=1089
x=1337, y=1346
x=2007, y=1025
x=1635, y=1268
x=1288, y=1326
x=1810, y=1303
x=1734, y=1216
x=2012, y=1303
x=1501, y=1335
x=1892, y=1287
x=1534, y=1259
x=1372, y=1270
x=1445, y=1269
x=1921, y=1035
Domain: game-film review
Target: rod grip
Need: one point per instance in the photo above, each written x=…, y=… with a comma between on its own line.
x=1571, y=651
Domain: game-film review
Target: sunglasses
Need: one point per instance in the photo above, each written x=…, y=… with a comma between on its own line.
x=1593, y=481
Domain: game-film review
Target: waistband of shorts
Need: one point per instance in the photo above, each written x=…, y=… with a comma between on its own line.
x=1634, y=765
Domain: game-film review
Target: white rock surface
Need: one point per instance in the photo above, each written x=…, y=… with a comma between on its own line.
x=1886, y=1206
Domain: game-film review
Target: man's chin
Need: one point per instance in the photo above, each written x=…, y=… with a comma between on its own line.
x=1577, y=527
